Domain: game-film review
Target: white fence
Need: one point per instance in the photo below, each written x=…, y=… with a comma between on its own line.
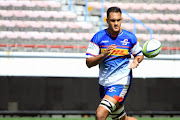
x=73, y=65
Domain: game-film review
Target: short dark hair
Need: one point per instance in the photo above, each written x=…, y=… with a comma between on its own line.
x=113, y=9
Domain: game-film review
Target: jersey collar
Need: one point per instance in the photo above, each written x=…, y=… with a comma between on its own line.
x=113, y=36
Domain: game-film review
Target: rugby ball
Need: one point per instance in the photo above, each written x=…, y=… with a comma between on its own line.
x=151, y=48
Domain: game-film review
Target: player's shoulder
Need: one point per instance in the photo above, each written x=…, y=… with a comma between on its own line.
x=130, y=35
x=97, y=36
x=100, y=33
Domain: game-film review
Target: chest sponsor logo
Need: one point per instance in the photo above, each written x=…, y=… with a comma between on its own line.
x=118, y=52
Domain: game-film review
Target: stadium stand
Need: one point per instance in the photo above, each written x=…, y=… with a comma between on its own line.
x=38, y=25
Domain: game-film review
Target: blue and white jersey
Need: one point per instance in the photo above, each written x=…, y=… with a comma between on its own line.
x=114, y=68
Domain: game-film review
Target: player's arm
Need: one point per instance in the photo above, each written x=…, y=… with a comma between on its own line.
x=136, y=61
x=95, y=60
x=137, y=53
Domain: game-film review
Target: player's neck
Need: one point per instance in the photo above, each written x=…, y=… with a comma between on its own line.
x=113, y=33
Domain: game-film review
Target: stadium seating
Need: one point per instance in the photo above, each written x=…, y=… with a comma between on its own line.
x=37, y=15
x=43, y=25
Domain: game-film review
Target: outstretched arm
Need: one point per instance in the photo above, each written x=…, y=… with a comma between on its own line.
x=95, y=60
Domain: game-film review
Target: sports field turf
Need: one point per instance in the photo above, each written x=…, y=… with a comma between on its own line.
x=38, y=118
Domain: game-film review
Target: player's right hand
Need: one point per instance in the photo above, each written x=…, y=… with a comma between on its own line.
x=109, y=49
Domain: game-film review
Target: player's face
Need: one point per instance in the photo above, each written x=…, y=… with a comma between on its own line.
x=114, y=21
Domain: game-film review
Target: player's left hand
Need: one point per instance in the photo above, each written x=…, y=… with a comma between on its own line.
x=133, y=65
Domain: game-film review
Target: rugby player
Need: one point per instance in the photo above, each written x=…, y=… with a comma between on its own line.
x=111, y=49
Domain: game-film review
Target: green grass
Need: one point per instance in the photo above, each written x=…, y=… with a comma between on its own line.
x=90, y=118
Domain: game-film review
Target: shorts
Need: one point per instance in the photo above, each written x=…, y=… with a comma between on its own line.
x=118, y=92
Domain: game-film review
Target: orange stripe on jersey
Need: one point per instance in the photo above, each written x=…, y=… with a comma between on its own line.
x=123, y=46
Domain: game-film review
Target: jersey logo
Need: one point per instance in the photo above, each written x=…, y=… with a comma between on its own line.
x=112, y=89
x=125, y=42
x=104, y=41
x=118, y=52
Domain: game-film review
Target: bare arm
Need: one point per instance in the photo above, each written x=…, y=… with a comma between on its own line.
x=93, y=61
x=136, y=61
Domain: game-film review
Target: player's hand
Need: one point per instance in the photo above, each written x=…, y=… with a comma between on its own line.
x=109, y=49
x=133, y=65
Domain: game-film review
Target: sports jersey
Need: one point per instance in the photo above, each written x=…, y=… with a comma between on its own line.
x=114, y=68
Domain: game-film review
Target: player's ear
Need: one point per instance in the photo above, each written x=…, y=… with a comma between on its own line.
x=107, y=20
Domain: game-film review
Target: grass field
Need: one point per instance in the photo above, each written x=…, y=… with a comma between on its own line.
x=90, y=118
